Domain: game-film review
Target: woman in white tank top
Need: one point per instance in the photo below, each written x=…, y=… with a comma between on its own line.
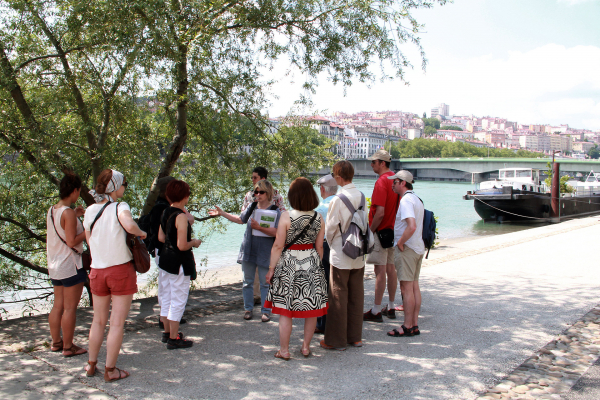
x=64, y=245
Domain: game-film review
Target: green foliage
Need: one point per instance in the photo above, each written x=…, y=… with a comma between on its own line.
x=433, y=122
x=429, y=148
x=451, y=128
x=594, y=152
x=562, y=186
x=429, y=131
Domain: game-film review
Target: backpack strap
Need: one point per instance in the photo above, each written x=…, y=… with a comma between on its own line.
x=98, y=216
x=348, y=204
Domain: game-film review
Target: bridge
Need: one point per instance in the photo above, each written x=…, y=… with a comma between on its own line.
x=472, y=169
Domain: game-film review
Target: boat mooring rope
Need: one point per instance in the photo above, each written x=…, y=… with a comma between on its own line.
x=507, y=212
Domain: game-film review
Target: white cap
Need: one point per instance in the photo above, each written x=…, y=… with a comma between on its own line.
x=403, y=175
x=327, y=180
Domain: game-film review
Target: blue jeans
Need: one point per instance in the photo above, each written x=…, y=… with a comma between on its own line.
x=248, y=288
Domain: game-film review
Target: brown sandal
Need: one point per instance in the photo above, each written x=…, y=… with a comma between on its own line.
x=91, y=371
x=56, y=346
x=108, y=379
x=279, y=354
x=73, y=351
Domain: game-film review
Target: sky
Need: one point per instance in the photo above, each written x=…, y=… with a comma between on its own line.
x=530, y=61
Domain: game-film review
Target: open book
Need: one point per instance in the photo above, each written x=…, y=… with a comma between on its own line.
x=266, y=219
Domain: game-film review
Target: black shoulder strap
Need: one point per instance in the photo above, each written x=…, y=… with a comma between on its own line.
x=57, y=234
x=302, y=232
x=413, y=193
x=98, y=216
x=272, y=207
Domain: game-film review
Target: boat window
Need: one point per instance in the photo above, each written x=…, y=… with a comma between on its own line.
x=509, y=174
x=524, y=174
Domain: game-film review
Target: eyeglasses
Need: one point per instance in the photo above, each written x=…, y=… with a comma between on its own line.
x=259, y=192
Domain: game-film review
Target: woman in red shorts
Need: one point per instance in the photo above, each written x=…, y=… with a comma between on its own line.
x=113, y=277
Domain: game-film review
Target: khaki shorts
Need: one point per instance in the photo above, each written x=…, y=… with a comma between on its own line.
x=380, y=256
x=408, y=264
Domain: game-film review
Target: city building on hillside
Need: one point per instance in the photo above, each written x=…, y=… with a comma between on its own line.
x=413, y=133
x=456, y=134
x=529, y=142
x=370, y=142
x=582, y=147
x=441, y=110
x=549, y=143
x=495, y=138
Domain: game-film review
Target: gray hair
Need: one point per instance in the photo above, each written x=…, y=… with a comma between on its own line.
x=330, y=189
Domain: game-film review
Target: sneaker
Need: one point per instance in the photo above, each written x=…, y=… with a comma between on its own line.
x=369, y=316
x=179, y=343
x=391, y=314
x=165, y=336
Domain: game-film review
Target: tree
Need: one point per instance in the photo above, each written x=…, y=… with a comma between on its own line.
x=433, y=122
x=451, y=128
x=424, y=115
x=156, y=88
x=594, y=152
x=429, y=131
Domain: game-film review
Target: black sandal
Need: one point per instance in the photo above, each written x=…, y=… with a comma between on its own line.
x=405, y=332
x=415, y=330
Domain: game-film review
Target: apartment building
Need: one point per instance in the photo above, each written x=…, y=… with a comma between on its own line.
x=549, y=143
x=370, y=142
x=529, y=142
x=582, y=147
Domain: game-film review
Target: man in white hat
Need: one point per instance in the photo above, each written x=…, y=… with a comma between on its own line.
x=382, y=214
x=328, y=188
x=409, y=250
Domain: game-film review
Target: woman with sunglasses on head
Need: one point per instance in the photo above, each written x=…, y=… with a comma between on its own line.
x=113, y=277
x=255, y=251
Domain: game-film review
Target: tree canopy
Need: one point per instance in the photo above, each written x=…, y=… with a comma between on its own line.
x=451, y=128
x=155, y=88
x=431, y=148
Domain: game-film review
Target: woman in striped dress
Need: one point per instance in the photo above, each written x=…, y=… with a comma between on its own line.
x=298, y=285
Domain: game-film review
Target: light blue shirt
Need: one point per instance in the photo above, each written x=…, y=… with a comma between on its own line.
x=324, y=207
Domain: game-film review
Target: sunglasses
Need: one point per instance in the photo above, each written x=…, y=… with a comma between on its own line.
x=259, y=192
x=124, y=184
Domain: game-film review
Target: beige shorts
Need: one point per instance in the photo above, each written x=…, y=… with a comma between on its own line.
x=379, y=255
x=408, y=264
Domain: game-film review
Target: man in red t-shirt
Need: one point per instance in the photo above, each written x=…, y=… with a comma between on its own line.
x=382, y=215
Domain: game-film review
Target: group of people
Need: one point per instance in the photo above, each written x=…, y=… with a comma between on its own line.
x=112, y=275
x=296, y=257
x=303, y=269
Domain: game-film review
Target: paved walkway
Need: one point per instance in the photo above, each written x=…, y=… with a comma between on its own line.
x=488, y=305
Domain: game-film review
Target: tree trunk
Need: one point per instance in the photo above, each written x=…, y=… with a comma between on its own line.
x=181, y=132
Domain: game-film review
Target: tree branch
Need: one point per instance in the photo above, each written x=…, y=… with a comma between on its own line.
x=24, y=64
x=31, y=233
x=23, y=262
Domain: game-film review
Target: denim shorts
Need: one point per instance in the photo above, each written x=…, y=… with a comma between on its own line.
x=79, y=277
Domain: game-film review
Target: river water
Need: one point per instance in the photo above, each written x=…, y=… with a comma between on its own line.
x=456, y=219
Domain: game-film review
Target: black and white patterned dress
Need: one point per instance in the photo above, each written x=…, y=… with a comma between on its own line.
x=298, y=287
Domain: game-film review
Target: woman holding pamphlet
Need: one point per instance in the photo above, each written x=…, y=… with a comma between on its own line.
x=261, y=219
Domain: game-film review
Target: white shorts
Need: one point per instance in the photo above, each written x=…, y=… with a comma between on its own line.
x=173, y=292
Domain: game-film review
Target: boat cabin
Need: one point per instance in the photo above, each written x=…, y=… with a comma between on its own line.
x=519, y=178
x=524, y=175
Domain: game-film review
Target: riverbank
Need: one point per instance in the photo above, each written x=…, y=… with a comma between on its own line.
x=502, y=317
